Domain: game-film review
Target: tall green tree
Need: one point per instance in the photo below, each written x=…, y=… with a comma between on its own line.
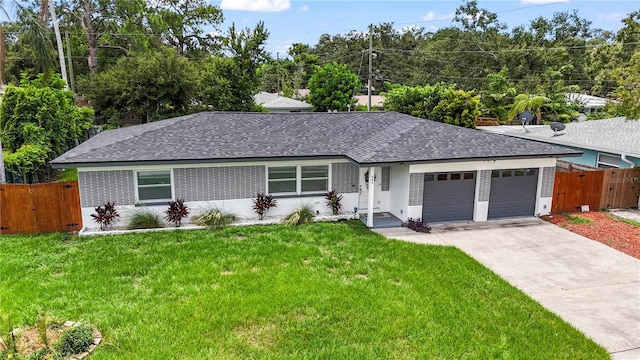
x=181, y=24
x=38, y=123
x=442, y=103
x=246, y=49
x=106, y=25
x=145, y=86
x=497, y=97
x=458, y=107
x=628, y=91
x=332, y=88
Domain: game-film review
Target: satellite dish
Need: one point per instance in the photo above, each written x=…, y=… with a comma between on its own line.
x=556, y=127
x=525, y=118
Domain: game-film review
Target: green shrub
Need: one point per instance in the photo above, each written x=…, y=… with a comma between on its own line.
x=302, y=215
x=144, y=219
x=214, y=218
x=578, y=220
x=75, y=340
x=43, y=354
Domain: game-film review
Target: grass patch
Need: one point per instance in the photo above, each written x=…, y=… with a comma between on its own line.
x=628, y=221
x=578, y=220
x=332, y=291
x=67, y=175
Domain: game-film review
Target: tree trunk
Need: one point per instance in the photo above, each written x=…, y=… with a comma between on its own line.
x=93, y=52
x=92, y=40
x=538, y=116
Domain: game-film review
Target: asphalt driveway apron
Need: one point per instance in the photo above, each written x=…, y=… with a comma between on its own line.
x=590, y=285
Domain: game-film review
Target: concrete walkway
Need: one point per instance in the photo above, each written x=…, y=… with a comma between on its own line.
x=630, y=214
x=591, y=286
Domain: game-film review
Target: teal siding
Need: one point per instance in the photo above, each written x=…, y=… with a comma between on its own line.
x=590, y=158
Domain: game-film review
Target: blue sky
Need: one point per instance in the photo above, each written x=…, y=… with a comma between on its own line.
x=293, y=21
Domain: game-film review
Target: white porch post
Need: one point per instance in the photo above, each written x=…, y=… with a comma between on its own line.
x=370, y=198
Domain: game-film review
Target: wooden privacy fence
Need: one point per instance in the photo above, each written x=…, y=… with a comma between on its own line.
x=600, y=189
x=40, y=208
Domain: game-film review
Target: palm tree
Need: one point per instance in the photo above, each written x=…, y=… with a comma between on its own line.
x=526, y=102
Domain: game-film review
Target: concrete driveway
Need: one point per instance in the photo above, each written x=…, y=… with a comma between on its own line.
x=591, y=286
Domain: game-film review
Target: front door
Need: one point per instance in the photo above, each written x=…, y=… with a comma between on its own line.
x=363, y=202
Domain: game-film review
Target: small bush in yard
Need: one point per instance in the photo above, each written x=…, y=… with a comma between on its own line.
x=177, y=210
x=417, y=225
x=302, y=215
x=214, y=218
x=333, y=201
x=262, y=203
x=105, y=215
x=75, y=340
x=578, y=220
x=144, y=219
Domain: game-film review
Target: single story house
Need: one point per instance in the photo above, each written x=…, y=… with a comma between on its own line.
x=278, y=104
x=588, y=103
x=381, y=162
x=606, y=143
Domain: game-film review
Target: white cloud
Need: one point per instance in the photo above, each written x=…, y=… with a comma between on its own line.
x=281, y=47
x=434, y=16
x=612, y=16
x=304, y=8
x=256, y=5
x=540, y=2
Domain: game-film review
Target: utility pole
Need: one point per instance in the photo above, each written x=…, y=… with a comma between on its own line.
x=370, y=67
x=66, y=37
x=63, y=65
x=278, y=70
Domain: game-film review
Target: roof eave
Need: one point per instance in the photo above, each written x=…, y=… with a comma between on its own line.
x=82, y=164
x=467, y=159
x=576, y=145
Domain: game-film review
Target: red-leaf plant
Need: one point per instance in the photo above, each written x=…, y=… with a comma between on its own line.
x=176, y=211
x=105, y=215
x=262, y=203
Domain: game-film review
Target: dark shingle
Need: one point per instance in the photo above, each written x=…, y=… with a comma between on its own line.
x=378, y=137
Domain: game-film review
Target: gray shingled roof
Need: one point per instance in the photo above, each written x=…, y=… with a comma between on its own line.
x=366, y=138
x=616, y=135
x=275, y=102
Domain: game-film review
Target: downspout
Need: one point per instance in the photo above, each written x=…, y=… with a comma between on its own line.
x=623, y=157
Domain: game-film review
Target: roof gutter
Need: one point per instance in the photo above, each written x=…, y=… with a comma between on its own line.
x=623, y=157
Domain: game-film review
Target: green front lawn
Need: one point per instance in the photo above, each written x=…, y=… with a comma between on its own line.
x=331, y=291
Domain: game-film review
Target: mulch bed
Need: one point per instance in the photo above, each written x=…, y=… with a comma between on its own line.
x=605, y=229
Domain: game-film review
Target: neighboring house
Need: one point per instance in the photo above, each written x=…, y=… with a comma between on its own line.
x=281, y=104
x=587, y=103
x=377, y=101
x=379, y=161
x=606, y=143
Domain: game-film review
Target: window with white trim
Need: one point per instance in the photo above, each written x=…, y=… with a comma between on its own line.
x=608, y=161
x=297, y=180
x=154, y=185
